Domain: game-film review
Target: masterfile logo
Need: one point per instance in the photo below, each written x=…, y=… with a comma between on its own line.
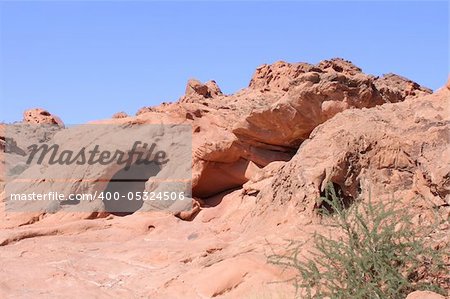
x=117, y=168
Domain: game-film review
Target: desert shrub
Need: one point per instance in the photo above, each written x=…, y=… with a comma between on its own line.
x=376, y=252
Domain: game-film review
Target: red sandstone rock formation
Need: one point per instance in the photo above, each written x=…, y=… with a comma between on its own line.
x=261, y=158
x=41, y=116
x=120, y=115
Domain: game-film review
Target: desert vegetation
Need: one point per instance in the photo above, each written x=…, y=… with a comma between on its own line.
x=376, y=253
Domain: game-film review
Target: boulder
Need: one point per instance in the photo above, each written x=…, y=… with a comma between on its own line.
x=197, y=91
x=41, y=116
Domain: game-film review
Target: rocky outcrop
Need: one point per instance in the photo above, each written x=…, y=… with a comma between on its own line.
x=394, y=150
x=394, y=88
x=269, y=120
x=144, y=110
x=260, y=159
x=120, y=115
x=197, y=91
x=234, y=136
x=314, y=94
x=41, y=116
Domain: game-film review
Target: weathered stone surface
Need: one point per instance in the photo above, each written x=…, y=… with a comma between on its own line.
x=235, y=136
x=391, y=150
x=41, y=116
x=120, y=115
x=198, y=92
x=261, y=157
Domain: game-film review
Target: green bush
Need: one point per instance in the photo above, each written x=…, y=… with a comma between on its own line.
x=377, y=253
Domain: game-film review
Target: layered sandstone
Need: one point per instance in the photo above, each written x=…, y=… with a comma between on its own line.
x=261, y=159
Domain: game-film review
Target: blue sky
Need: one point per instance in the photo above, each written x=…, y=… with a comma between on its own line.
x=87, y=60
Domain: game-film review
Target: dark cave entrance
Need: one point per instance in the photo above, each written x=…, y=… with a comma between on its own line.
x=123, y=188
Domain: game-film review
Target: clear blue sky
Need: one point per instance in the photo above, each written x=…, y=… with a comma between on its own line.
x=88, y=60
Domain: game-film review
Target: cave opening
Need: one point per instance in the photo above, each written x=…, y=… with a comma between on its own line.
x=121, y=193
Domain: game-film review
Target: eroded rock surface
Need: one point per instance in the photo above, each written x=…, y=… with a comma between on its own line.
x=120, y=115
x=261, y=158
x=394, y=150
x=41, y=116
